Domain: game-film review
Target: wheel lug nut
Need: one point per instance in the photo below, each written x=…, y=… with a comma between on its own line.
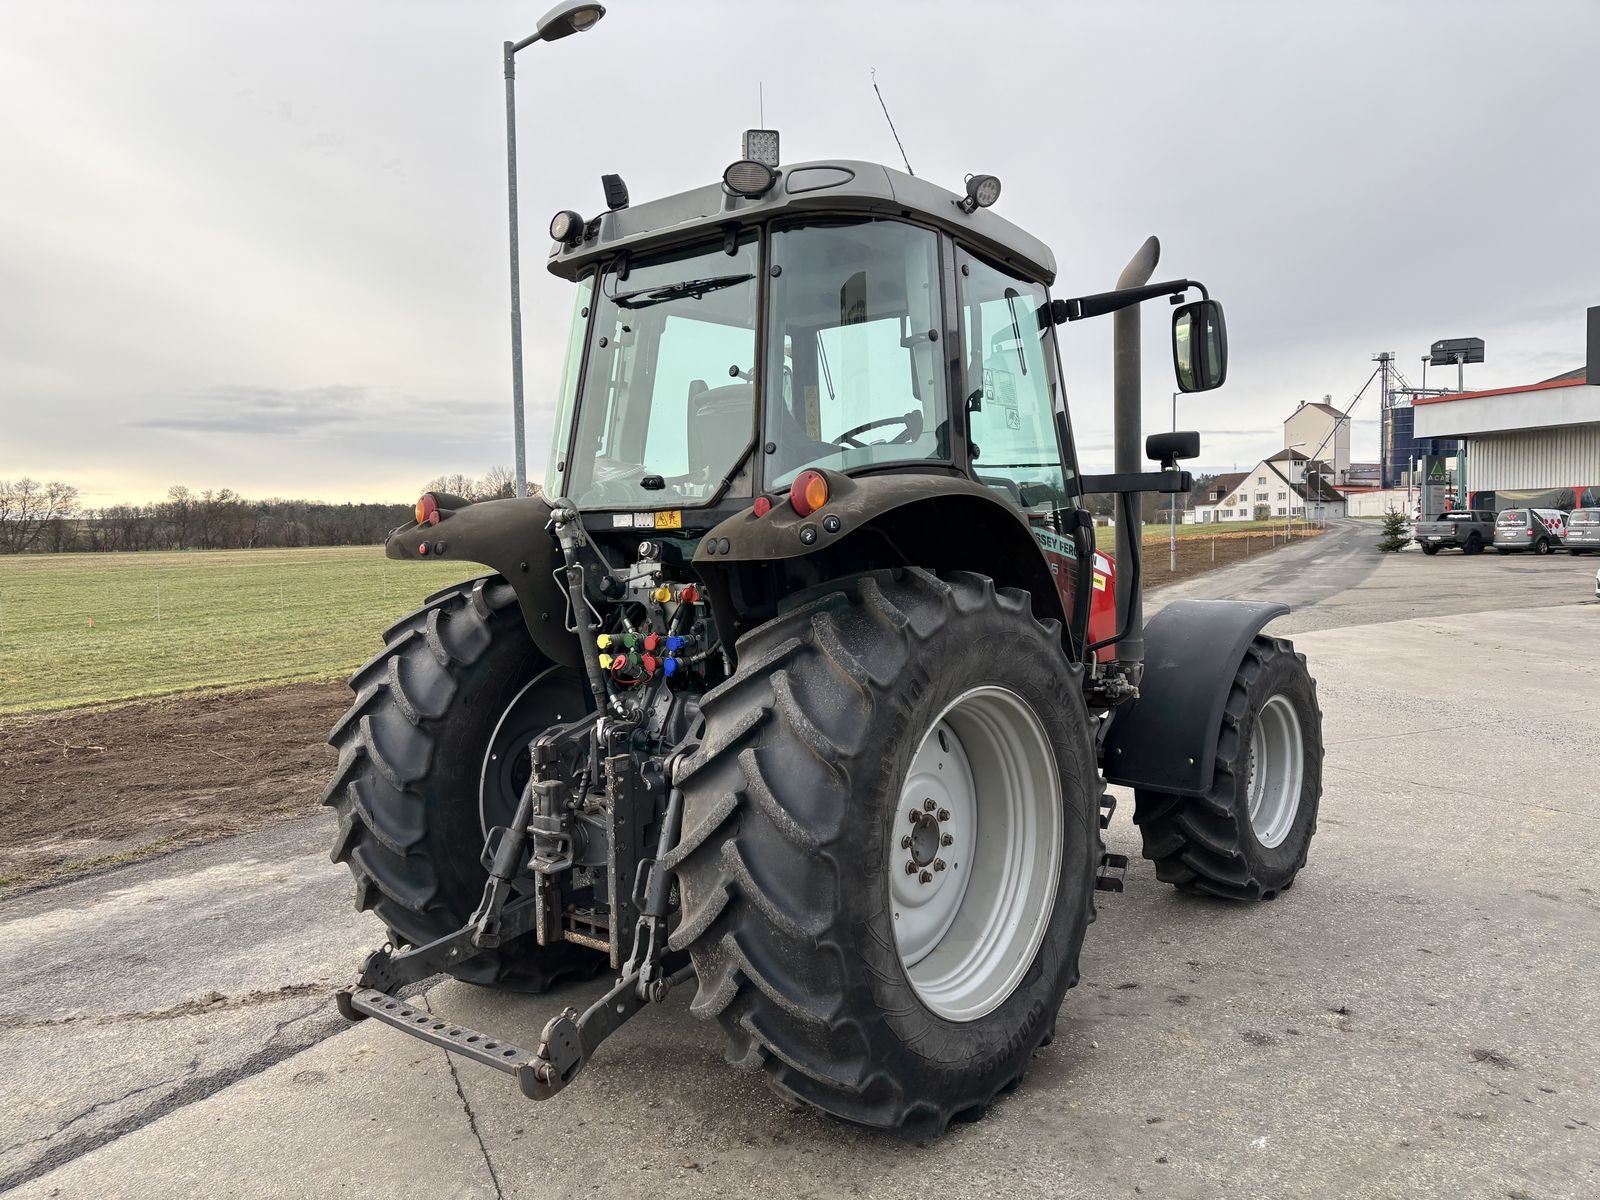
x=926, y=877
x=928, y=806
x=905, y=842
x=911, y=867
x=913, y=816
x=944, y=814
x=947, y=840
x=938, y=864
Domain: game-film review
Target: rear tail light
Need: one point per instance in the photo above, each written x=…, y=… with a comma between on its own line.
x=808, y=492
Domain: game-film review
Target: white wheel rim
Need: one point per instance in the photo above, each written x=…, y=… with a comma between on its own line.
x=975, y=853
x=1277, y=771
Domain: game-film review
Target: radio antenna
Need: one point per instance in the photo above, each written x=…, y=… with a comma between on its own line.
x=890, y=119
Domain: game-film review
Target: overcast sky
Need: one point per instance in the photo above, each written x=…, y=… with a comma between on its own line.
x=262, y=245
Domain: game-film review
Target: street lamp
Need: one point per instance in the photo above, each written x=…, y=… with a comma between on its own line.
x=575, y=16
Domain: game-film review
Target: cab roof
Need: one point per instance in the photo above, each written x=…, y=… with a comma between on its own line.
x=843, y=186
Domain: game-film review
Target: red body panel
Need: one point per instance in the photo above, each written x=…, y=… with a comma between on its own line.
x=1063, y=562
x=1103, y=606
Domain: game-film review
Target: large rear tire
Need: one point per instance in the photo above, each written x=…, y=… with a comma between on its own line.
x=1247, y=837
x=430, y=753
x=827, y=764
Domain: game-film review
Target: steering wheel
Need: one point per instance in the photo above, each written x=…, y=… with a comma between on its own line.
x=912, y=431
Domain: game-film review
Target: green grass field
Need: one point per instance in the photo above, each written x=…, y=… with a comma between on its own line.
x=86, y=628
x=1158, y=534
x=89, y=628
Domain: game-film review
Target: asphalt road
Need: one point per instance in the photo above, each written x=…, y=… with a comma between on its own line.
x=1415, y=1018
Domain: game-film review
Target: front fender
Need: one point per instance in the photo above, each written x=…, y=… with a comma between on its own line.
x=509, y=537
x=1166, y=740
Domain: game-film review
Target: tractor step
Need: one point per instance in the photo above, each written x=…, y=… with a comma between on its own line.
x=1104, y=880
x=357, y=1002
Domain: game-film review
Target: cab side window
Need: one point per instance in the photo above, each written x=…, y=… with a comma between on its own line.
x=1011, y=393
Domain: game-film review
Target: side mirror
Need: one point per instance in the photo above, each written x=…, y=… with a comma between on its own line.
x=1199, y=345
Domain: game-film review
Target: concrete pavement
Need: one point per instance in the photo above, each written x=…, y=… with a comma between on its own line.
x=1413, y=1018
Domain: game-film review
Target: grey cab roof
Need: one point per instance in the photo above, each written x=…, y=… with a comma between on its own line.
x=844, y=186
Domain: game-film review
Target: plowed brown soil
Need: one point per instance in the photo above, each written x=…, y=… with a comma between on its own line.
x=93, y=787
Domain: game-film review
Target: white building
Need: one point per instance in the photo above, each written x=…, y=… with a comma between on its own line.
x=1322, y=432
x=1286, y=485
x=1536, y=444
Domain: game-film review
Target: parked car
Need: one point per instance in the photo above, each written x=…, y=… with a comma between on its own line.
x=1542, y=530
x=1467, y=530
x=1583, y=531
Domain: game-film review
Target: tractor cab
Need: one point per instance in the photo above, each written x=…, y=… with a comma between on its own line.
x=835, y=316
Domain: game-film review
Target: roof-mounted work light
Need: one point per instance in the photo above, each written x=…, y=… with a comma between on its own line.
x=565, y=226
x=761, y=145
x=749, y=178
x=982, y=191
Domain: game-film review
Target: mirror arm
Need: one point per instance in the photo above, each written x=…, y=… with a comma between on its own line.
x=1101, y=303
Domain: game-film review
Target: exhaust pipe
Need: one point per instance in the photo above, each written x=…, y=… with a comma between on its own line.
x=1128, y=420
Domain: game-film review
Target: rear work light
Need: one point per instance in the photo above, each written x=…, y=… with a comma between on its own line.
x=427, y=510
x=808, y=492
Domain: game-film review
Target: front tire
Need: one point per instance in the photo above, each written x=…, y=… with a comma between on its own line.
x=798, y=812
x=1474, y=545
x=429, y=753
x=1248, y=836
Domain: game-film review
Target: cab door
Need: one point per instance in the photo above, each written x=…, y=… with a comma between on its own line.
x=1017, y=435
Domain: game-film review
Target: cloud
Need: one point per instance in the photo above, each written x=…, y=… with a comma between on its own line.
x=264, y=411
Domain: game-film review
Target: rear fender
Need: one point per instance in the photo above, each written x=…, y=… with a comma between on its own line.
x=941, y=522
x=507, y=536
x=1166, y=740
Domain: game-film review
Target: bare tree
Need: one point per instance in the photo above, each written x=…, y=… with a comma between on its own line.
x=498, y=483
x=458, y=484
x=178, y=515
x=28, y=507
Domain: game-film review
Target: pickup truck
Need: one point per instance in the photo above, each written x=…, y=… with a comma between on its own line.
x=1470, y=531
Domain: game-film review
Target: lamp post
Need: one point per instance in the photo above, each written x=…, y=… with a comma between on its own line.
x=574, y=16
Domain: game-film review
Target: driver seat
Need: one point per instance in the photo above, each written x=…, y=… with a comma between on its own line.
x=721, y=423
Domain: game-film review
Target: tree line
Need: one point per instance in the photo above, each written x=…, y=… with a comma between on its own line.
x=50, y=518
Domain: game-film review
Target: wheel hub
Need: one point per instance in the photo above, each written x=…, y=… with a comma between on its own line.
x=926, y=838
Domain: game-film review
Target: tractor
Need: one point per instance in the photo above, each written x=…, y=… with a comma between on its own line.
x=802, y=681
